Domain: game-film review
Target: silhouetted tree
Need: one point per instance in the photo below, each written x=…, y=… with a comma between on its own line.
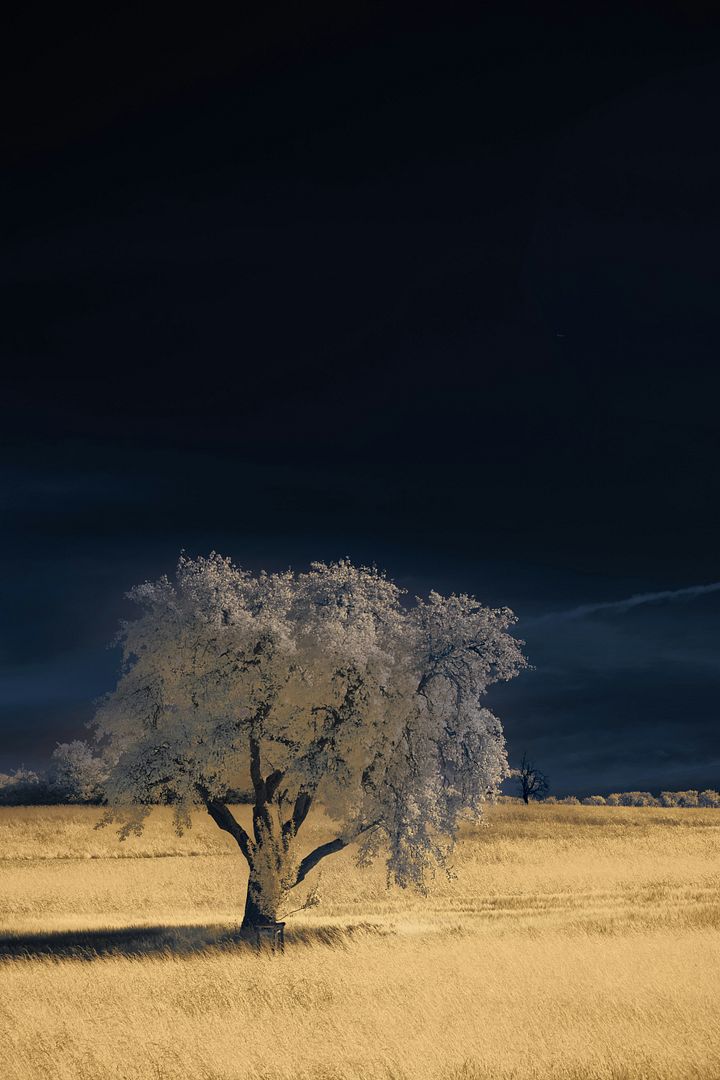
x=533, y=783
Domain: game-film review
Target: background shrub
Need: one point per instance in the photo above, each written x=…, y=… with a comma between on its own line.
x=76, y=775
x=637, y=798
x=687, y=798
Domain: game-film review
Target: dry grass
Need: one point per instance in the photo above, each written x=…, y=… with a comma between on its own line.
x=574, y=943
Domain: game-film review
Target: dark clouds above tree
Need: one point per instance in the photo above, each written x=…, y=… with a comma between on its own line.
x=440, y=297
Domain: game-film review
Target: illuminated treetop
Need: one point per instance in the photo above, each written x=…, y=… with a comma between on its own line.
x=308, y=688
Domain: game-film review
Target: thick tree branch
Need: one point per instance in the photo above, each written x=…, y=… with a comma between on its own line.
x=300, y=811
x=255, y=769
x=272, y=783
x=265, y=789
x=224, y=819
x=310, y=861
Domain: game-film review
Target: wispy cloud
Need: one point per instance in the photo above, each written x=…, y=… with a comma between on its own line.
x=621, y=606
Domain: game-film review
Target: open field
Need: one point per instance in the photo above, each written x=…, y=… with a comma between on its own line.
x=573, y=943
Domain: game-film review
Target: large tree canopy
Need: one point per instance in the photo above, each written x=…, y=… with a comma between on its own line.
x=318, y=687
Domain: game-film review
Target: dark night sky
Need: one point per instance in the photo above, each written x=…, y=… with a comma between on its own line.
x=439, y=295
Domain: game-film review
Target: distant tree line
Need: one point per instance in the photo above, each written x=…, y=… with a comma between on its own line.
x=707, y=798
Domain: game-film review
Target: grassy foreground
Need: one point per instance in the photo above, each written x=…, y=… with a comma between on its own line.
x=573, y=943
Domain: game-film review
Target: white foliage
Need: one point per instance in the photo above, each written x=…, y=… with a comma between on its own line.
x=637, y=798
x=76, y=774
x=325, y=685
x=687, y=798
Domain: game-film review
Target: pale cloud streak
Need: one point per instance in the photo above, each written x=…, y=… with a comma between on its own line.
x=621, y=606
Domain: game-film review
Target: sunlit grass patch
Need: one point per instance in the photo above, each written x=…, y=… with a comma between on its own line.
x=577, y=943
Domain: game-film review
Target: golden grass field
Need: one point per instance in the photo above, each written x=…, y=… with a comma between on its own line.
x=574, y=943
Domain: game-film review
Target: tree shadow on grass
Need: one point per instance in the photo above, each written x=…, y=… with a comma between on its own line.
x=166, y=940
x=123, y=941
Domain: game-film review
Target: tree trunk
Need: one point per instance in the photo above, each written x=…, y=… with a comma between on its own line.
x=266, y=856
x=273, y=869
x=259, y=908
x=254, y=915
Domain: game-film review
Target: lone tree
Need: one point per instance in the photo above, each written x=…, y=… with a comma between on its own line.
x=533, y=783
x=307, y=688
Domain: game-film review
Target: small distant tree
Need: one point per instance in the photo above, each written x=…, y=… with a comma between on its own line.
x=76, y=774
x=709, y=798
x=310, y=688
x=594, y=800
x=533, y=784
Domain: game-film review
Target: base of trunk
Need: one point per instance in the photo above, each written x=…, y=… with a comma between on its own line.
x=255, y=916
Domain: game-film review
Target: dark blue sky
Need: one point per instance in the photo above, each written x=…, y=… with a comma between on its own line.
x=440, y=295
